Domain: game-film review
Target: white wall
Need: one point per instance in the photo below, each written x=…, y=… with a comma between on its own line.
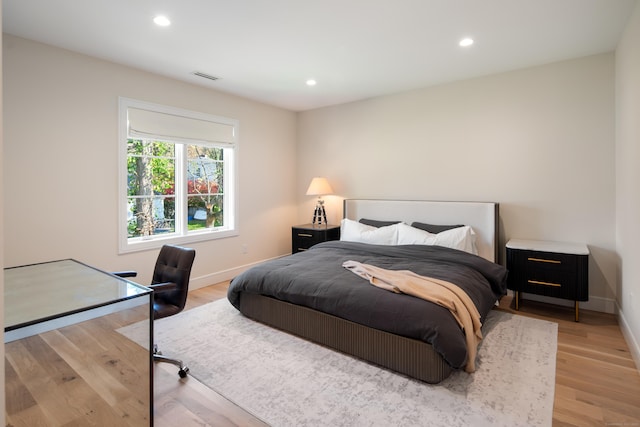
x=2, y=393
x=61, y=160
x=539, y=141
x=628, y=181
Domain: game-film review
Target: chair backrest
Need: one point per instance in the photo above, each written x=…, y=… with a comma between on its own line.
x=173, y=265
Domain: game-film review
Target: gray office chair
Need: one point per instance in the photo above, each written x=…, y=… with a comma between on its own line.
x=170, y=286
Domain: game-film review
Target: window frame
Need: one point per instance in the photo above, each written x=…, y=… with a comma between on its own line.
x=230, y=189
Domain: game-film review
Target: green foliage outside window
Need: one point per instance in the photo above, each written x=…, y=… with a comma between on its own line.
x=151, y=170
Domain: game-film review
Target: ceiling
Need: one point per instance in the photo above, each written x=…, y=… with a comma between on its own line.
x=355, y=49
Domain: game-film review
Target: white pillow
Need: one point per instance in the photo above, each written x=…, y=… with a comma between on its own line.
x=353, y=231
x=461, y=238
x=408, y=235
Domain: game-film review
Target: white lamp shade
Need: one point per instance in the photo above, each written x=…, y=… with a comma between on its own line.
x=318, y=187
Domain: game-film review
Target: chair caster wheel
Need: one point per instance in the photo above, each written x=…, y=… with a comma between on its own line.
x=183, y=372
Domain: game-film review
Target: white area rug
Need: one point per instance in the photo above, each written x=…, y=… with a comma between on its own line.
x=287, y=381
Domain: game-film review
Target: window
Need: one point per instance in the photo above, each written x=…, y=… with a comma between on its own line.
x=177, y=176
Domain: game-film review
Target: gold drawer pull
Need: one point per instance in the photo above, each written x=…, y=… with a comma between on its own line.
x=536, y=282
x=552, y=261
x=304, y=235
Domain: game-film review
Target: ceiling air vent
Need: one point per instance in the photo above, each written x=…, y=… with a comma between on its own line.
x=206, y=76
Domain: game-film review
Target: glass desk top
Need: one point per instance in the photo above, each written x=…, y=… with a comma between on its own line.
x=40, y=292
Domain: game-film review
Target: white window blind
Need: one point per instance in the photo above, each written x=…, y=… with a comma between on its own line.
x=145, y=124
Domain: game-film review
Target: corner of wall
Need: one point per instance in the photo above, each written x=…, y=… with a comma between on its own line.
x=634, y=346
x=627, y=158
x=2, y=393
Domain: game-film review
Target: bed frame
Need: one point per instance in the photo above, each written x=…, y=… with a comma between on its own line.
x=406, y=356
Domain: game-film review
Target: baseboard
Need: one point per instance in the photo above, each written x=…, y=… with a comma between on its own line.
x=603, y=305
x=634, y=346
x=223, y=276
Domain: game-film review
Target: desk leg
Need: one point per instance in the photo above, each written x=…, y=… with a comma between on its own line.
x=517, y=300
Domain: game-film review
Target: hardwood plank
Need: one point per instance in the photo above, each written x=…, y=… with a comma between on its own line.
x=94, y=374
x=44, y=383
x=188, y=395
x=18, y=397
x=30, y=417
x=83, y=374
x=119, y=358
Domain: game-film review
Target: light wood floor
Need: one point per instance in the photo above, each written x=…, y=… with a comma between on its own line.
x=79, y=375
x=597, y=383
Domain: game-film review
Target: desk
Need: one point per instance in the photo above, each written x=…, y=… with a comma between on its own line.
x=63, y=351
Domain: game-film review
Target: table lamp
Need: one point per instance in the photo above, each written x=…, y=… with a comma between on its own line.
x=319, y=186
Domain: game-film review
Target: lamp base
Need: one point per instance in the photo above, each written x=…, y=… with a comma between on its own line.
x=319, y=215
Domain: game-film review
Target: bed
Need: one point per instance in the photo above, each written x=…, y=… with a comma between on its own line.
x=312, y=295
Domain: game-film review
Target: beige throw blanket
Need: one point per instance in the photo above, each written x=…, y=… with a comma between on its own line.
x=438, y=291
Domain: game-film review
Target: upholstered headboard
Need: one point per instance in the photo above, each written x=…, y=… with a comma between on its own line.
x=481, y=216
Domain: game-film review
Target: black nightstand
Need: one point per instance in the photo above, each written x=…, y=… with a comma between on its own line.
x=553, y=269
x=306, y=235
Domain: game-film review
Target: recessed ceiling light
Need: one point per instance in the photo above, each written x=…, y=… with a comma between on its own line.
x=162, y=21
x=466, y=42
x=311, y=82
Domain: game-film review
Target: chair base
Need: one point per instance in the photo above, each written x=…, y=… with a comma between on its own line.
x=158, y=357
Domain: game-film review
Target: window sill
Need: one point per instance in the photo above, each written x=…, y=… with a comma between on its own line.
x=155, y=242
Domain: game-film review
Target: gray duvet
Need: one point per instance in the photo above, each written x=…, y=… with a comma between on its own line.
x=316, y=279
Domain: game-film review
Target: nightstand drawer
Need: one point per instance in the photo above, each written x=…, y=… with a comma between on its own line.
x=546, y=261
x=549, y=282
x=304, y=239
x=305, y=236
